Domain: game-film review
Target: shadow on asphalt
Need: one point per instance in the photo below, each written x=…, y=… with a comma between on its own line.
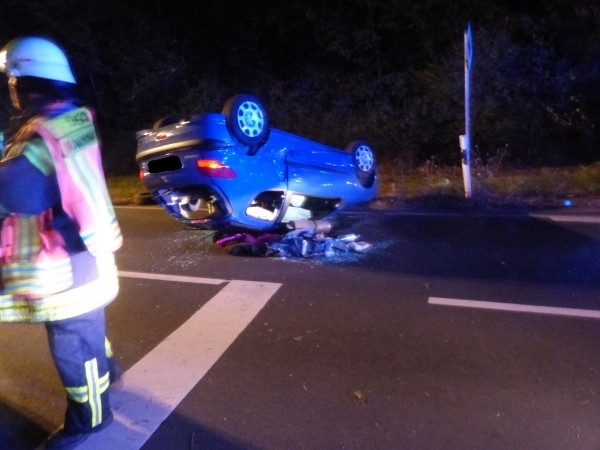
x=17, y=432
x=20, y=433
x=510, y=248
x=178, y=432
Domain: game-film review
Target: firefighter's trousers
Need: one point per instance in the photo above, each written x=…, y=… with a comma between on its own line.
x=83, y=358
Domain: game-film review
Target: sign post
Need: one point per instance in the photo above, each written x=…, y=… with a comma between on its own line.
x=465, y=139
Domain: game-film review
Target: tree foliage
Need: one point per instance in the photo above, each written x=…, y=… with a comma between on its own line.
x=390, y=71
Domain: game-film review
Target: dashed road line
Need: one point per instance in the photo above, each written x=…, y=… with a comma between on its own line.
x=588, y=313
x=154, y=386
x=568, y=218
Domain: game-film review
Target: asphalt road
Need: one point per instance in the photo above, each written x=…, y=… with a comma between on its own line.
x=351, y=352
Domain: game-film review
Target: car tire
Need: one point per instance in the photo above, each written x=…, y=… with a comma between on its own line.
x=364, y=162
x=247, y=120
x=143, y=198
x=169, y=120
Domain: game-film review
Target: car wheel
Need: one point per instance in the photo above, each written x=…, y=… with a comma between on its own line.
x=169, y=120
x=143, y=198
x=364, y=162
x=247, y=120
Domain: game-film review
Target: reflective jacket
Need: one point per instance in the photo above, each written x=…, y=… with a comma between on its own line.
x=60, y=231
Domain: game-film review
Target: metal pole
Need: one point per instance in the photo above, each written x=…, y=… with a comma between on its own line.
x=465, y=139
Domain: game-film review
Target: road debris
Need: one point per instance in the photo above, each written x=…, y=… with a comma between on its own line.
x=298, y=243
x=359, y=396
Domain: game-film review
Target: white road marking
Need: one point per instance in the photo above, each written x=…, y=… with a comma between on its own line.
x=154, y=386
x=567, y=218
x=589, y=313
x=163, y=277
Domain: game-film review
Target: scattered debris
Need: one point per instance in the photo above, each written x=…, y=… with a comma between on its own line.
x=305, y=240
x=245, y=244
x=359, y=396
x=316, y=226
x=359, y=247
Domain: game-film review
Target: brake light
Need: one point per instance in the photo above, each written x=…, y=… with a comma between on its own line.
x=216, y=169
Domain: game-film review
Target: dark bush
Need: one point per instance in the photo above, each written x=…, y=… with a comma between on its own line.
x=387, y=71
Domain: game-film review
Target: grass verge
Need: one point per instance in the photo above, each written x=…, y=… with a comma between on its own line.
x=544, y=187
x=123, y=188
x=439, y=186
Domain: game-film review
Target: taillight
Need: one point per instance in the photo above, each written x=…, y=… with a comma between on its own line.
x=141, y=174
x=215, y=169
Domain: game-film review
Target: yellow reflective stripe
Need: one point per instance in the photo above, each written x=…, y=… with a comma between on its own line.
x=108, y=348
x=77, y=301
x=93, y=296
x=92, y=392
x=104, y=383
x=37, y=278
x=73, y=135
x=9, y=301
x=89, y=179
x=74, y=303
x=93, y=384
x=68, y=122
x=78, y=140
x=38, y=154
x=64, y=305
x=80, y=394
x=108, y=236
x=26, y=237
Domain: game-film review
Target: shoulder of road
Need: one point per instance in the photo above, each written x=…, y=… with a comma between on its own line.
x=572, y=210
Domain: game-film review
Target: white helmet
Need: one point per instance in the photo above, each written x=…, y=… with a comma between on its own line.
x=35, y=57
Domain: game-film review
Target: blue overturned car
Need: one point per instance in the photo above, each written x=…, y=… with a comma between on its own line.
x=230, y=170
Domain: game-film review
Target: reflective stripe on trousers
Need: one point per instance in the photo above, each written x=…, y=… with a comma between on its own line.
x=91, y=391
x=79, y=349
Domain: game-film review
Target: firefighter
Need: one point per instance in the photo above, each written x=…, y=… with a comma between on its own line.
x=59, y=230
